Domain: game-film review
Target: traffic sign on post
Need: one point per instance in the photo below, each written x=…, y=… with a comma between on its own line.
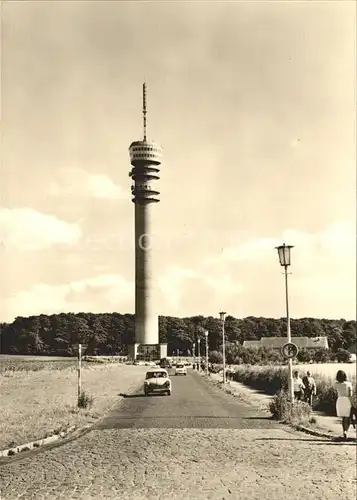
x=289, y=350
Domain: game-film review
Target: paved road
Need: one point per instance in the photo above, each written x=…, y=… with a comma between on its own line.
x=193, y=404
x=198, y=443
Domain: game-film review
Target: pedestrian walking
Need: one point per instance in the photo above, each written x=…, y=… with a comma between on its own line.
x=298, y=386
x=344, y=400
x=310, y=387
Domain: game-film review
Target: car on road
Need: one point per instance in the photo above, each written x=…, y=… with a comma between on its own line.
x=157, y=380
x=165, y=363
x=180, y=369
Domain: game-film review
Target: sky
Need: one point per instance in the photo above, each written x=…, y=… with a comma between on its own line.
x=254, y=105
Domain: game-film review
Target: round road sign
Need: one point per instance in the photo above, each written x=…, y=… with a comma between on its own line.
x=289, y=350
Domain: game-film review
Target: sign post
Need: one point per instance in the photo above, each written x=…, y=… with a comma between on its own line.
x=289, y=351
x=79, y=373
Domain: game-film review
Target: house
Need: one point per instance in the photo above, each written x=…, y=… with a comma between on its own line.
x=278, y=342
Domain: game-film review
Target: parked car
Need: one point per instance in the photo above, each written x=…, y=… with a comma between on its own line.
x=180, y=369
x=157, y=380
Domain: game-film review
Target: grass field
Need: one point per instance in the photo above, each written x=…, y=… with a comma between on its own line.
x=39, y=396
x=329, y=370
x=34, y=363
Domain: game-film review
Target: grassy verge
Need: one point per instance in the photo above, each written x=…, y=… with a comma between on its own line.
x=33, y=364
x=272, y=379
x=36, y=403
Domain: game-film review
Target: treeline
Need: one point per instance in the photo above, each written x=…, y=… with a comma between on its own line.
x=110, y=334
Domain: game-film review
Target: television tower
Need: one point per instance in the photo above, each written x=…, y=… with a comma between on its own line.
x=145, y=158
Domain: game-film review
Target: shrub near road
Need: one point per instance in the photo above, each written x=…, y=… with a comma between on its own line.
x=273, y=379
x=43, y=397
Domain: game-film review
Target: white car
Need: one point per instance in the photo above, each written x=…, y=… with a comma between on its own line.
x=157, y=380
x=180, y=369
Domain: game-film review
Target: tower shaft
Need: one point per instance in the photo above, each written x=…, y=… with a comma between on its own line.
x=146, y=316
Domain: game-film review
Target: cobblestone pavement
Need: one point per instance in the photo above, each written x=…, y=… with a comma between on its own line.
x=198, y=443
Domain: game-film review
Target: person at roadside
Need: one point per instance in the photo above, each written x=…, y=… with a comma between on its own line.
x=344, y=400
x=298, y=386
x=310, y=387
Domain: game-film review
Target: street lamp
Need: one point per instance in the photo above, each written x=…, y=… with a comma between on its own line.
x=199, y=353
x=222, y=316
x=206, y=334
x=194, y=354
x=285, y=261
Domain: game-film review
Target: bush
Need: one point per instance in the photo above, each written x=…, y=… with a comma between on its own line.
x=271, y=380
x=215, y=357
x=321, y=355
x=85, y=400
x=326, y=396
x=341, y=356
x=304, y=356
x=282, y=409
x=91, y=359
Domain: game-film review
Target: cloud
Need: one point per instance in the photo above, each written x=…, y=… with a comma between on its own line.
x=223, y=284
x=184, y=288
x=335, y=243
x=77, y=182
x=27, y=229
x=107, y=292
x=246, y=278
x=294, y=143
x=249, y=250
x=171, y=284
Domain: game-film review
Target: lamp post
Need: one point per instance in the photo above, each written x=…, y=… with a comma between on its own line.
x=285, y=261
x=222, y=316
x=199, y=354
x=206, y=334
x=194, y=354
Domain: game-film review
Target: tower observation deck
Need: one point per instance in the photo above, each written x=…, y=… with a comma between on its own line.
x=145, y=157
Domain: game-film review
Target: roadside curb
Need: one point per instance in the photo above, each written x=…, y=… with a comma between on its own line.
x=72, y=431
x=317, y=433
x=312, y=432
x=10, y=452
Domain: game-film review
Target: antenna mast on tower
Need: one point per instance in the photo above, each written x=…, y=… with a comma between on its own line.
x=144, y=109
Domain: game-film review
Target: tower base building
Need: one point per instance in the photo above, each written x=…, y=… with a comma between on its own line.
x=147, y=352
